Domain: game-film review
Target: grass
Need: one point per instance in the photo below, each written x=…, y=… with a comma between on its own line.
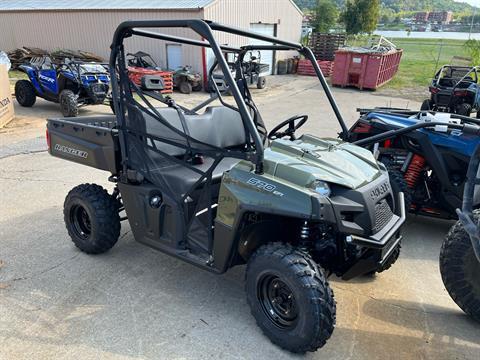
x=420, y=59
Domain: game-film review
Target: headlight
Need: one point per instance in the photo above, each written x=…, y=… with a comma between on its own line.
x=321, y=187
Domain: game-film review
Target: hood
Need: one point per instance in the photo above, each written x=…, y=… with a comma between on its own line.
x=310, y=158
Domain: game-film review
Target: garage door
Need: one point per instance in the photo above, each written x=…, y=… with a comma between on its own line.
x=265, y=29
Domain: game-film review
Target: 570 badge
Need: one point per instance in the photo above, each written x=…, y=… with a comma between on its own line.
x=264, y=186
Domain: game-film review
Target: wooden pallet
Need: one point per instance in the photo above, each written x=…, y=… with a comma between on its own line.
x=305, y=68
x=324, y=45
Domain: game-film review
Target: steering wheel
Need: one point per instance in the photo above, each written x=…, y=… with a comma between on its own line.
x=292, y=127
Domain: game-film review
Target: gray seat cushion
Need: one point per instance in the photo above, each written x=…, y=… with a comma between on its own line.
x=218, y=126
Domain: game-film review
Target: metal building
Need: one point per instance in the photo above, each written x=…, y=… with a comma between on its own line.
x=89, y=25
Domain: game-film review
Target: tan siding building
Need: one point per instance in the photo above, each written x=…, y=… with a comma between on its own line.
x=89, y=25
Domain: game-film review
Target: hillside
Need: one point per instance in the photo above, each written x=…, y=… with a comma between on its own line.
x=402, y=5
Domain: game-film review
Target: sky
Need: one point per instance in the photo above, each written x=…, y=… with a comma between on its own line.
x=471, y=2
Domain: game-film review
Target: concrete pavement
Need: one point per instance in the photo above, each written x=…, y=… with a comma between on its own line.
x=136, y=303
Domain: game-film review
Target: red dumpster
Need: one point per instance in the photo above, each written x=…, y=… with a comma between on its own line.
x=365, y=70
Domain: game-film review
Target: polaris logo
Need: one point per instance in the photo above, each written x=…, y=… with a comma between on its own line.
x=46, y=78
x=71, y=151
x=4, y=102
x=379, y=191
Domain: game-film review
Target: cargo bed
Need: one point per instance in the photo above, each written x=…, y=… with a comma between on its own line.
x=87, y=140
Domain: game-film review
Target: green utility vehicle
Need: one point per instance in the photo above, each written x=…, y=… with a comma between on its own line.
x=213, y=189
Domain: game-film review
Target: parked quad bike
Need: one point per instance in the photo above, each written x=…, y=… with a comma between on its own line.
x=71, y=83
x=454, y=89
x=460, y=254
x=212, y=188
x=186, y=81
x=426, y=153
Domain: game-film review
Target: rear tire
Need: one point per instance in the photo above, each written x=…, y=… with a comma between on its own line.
x=92, y=219
x=197, y=87
x=262, y=82
x=68, y=103
x=426, y=105
x=463, y=109
x=25, y=93
x=290, y=298
x=460, y=269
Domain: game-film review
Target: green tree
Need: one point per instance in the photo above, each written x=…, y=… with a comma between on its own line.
x=361, y=16
x=326, y=15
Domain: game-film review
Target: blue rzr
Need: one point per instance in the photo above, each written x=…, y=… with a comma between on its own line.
x=72, y=84
x=427, y=155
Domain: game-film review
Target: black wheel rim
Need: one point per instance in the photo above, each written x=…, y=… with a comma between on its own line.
x=277, y=301
x=81, y=221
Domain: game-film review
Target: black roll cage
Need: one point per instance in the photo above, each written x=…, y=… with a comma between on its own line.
x=204, y=29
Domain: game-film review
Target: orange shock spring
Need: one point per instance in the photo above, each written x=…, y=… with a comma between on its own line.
x=414, y=170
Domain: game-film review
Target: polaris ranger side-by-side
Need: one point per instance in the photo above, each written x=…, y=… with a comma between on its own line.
x=212, y=188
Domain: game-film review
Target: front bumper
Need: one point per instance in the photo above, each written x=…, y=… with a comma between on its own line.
x=380, y=246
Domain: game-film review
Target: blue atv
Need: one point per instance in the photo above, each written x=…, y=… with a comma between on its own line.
x=427, y=155
x=455, y=90
x=71, y=83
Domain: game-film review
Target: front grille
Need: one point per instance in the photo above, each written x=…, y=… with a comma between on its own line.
x=383, y=214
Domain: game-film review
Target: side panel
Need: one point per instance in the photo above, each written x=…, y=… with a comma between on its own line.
x=157, y=227
x=48, y=80
x=244, y=191
x=85, y=144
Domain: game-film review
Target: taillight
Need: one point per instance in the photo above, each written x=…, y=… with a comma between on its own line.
x=460, y=93
x=362, y=128
x=47, y=136
x=433, y=90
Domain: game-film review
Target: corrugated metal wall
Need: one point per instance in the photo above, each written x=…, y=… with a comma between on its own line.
x=245, y=12
x=93, y=30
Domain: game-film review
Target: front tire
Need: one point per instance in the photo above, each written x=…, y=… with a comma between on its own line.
x=460, y=269
x=68, y=103
x=398, y=183
x=290, y=298
x=92, y=219
x=25, y=93
x=185, y=87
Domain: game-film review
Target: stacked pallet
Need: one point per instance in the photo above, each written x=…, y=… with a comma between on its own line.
x=324, y=45
x=135, y=74
x=20, y=56
x=23, y=55
x=305, y=67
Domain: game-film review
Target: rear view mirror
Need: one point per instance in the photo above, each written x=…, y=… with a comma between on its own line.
x=152, y=82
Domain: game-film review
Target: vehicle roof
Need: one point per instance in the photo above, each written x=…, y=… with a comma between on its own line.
x=29, y=5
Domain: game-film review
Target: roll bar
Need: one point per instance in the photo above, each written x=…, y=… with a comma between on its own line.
x=204, y=29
